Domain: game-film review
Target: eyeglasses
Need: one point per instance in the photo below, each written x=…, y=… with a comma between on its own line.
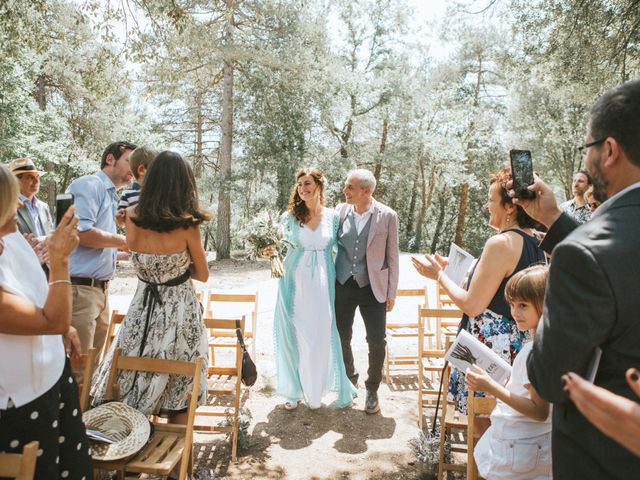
x=583, y=149
x=593, y=205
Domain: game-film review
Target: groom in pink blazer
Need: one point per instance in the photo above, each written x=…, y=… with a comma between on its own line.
x=366, y=275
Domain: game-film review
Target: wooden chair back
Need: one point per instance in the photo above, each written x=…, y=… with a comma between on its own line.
x=21, y=466
x=449, y=420
x=170, y=444
x=476, y=406
x=224, y=383
x=232, y=305
x=114, y=324
x=407, y=328
x=86, y=363
x=442, y=322
x=431, y=361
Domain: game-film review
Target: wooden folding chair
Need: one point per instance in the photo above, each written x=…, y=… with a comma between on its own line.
x=476, y=406
x=21, y=466
x=430, y=361
x=201, y=295
x=442, y=322
x=85, y=363
x=224, y=383
x=169, y=444
x=396, y=329
x=114, y=324
x=231, y=305
x=450, y=421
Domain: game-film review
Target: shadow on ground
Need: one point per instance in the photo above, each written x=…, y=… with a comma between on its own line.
x=299, y=428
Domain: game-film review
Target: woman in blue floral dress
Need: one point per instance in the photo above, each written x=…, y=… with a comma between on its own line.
x=486, y=312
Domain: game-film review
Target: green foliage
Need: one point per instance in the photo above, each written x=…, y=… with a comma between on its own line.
x=336, y=84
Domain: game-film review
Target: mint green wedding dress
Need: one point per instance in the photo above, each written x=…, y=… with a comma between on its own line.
x=307, y=345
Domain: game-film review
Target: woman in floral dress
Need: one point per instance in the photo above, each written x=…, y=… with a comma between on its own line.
x=486, y=311
x=164, y=319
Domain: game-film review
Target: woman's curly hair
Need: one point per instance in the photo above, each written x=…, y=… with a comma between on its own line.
x=501, y=177
x=297, y=207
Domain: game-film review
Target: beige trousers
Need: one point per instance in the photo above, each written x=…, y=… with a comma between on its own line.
x=90, y=316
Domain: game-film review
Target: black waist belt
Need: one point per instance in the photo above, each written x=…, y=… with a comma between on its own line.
x=152, y=296
x=90, y=282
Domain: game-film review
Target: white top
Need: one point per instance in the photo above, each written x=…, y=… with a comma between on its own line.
x=29, y=364
x=361, y=219
x=505, y=421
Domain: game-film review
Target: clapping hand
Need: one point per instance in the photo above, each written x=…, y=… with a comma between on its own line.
x=39, y=247
x=121, y=216
x=430, y=269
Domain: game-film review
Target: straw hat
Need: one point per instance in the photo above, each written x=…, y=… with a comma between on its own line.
x=129, y=427
x=24, y=165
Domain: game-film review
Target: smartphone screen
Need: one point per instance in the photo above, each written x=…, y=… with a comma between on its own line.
x=522, y=172
x=63, y=202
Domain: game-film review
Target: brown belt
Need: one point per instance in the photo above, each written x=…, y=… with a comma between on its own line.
x=90, y=282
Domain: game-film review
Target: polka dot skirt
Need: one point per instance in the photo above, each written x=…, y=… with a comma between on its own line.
x=55, y=421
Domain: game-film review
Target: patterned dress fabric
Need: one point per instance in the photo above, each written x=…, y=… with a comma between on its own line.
x=175, y=332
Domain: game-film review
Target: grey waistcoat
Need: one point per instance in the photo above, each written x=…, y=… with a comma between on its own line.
x=352, y=252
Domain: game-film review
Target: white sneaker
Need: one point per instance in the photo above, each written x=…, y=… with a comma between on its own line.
x=290, y=405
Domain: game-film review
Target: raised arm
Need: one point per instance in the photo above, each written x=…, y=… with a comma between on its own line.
x=200, y=269
x=497, y=261
x=19, y=316
x=579, y=312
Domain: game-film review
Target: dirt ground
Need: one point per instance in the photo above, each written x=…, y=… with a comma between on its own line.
x=306, y=444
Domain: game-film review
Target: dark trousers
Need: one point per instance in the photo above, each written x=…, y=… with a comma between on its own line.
x=374, y=313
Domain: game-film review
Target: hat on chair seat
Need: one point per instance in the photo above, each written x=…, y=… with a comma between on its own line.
x=129, y=428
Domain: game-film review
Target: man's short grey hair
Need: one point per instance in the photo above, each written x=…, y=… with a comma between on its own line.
x=365, y=177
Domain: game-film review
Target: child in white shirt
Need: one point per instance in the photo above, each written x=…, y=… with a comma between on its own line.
x=517, y=445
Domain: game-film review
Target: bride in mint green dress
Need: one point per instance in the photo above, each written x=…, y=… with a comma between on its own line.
x=307, y=346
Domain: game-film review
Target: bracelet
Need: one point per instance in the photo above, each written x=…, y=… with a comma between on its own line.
x=440, y=273
x=55, y=282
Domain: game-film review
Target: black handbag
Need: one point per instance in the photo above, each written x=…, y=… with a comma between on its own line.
x=249, y=370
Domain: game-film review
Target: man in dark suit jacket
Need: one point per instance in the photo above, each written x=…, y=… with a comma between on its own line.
x=592, y=298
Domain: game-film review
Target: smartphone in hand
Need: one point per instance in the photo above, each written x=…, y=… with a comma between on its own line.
x=522, y=173
x=63, y=202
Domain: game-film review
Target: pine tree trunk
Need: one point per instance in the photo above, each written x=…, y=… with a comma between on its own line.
x=412, y=209
x=198, y=162
x=464, y=191
x=442, y=204
x=424, y=205
x=223, y=233
x=383, y=146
